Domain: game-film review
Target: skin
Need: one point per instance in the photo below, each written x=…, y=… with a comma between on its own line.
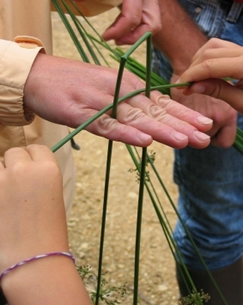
x=217, y=59
x=176, y=34
x=131, y=24
x=70, y=98
x=32, y=222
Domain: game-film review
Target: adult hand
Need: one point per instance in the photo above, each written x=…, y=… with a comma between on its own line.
x=136, y=18
x=32, y=218
x=223, y=115
x=215, y=60
x=70, y=92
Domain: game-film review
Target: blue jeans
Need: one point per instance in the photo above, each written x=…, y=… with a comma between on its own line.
x=210, y=181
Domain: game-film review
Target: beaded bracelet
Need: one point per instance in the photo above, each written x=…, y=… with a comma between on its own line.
x=67, y=254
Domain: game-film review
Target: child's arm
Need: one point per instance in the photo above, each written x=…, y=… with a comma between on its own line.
x=32, y=222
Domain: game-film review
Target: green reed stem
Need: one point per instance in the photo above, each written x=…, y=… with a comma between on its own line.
x=142, y=177
x=103, y=220
x=86, y=34
x=107, y=178
x=162, y=218
x=70, y=29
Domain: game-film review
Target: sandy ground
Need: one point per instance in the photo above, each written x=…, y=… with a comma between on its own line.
x=157, y=276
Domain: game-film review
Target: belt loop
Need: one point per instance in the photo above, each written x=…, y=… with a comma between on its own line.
x=235, y=11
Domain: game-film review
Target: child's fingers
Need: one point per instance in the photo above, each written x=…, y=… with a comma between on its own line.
x=16, y=155
x=213, y=68
x=40, y=153
x=214, y=44
x=218, y=54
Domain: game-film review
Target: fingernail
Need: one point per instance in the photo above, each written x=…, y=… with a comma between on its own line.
x=201, y=136
x=143, y=137
x=204, y=120
x=180, y=136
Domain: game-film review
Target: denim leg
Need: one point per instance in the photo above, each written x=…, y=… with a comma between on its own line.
x=211, y=205
x=234, y=32
x=210, y=181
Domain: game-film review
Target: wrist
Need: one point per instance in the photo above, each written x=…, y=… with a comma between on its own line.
x=35, y=258
x=34, y=274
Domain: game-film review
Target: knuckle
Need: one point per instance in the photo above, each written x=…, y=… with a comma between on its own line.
x=213, y=42
x=132, y=115
x=207, y=64
x=50, y=166
x=216, y=90
x=156, y=112
x=18, y=168
x=136, y=19
x=164, y=101
x=207, y=54
x=105, y=124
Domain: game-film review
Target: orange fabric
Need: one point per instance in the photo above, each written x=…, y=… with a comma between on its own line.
x=27, y=18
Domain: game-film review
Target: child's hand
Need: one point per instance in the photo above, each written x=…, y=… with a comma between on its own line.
x=217, y=59
x=32, y=215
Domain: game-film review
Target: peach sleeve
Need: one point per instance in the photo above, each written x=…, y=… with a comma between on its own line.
x=16, y=59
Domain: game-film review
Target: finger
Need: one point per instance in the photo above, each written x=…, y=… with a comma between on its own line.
x=219, y=89
x=136, y=128
x=40, y=153
x=159, y=105
x=1, y=165
x=225, y=137
x=150, y=22
x=220, y=53
x=110, y=128
x=119, y=29
x=213, y=68
x=214, y=43
x=126, y=21
x=16, y=155
x=182, y=112
x=132, y=36
x=151, y=16
x=157, y=122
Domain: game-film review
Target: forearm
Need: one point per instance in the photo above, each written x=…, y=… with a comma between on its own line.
x=179, y=38
x=51, y=280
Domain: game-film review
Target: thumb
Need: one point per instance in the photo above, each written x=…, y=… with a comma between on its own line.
x=219, y=89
